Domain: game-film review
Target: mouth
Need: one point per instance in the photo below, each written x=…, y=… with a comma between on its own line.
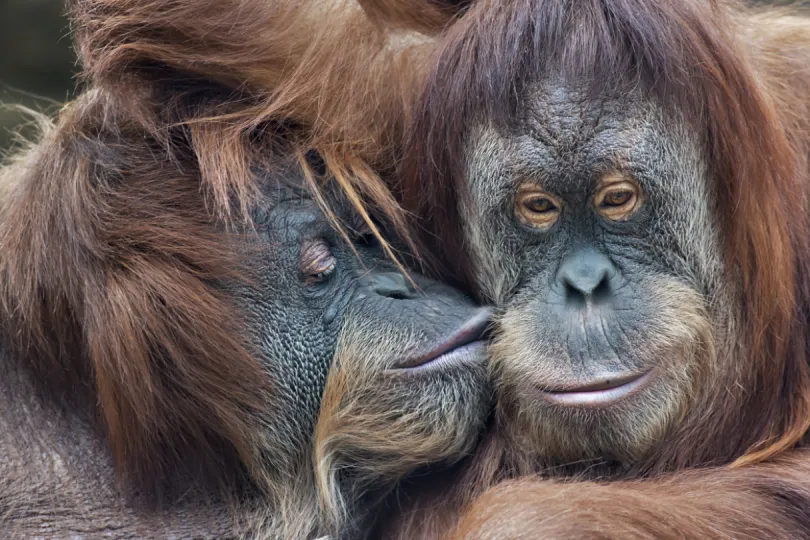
x=466, y=344
x=600, y=392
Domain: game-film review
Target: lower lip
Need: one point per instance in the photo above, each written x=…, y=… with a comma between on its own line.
x=598, y=398
x=469, y=354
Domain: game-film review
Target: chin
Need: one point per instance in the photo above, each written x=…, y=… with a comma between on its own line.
x=560, y=404
x=622, y=423
x=419, y=399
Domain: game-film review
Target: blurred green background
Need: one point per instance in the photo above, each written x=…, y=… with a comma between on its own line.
x=37, y=63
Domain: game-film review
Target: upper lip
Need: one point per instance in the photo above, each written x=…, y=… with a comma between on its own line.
x=472, y=330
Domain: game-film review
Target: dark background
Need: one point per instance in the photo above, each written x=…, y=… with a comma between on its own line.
x=37, y=64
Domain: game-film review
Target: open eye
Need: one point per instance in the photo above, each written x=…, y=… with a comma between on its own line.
x=618, y=198
x=536, y=208
x=316, y=261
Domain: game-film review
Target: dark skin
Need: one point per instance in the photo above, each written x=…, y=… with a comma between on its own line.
x=318, y=294
x=182, y=329
x=601, y=286
x=393, y=357
x=629, y=179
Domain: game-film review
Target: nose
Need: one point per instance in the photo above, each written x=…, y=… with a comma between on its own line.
x=390, y=285
x=585, y=275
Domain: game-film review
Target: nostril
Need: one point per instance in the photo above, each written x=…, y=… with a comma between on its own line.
x=603, y=289
x=578, y=292
x=573, y=295
x=586, y=275
x=587, y=281
x=396, y=295
x=393, y=285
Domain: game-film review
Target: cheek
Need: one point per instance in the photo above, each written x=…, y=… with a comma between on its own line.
x=297, y=354
x=686, y=240
x=492, y=238
x=496, y=262
x=382, y=427
x=652, y=326
x=295, y=348
x=667, y=333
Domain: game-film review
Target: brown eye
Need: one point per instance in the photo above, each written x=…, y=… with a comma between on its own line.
x=536, y=208
x=316, y=261
x=539, y=205
x=618, y=199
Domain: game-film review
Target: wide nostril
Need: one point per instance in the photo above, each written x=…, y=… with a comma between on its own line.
x=392, y=285
x=586, y=274
x=580, y=289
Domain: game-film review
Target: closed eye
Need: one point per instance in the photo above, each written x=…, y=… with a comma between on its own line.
x=316, y=261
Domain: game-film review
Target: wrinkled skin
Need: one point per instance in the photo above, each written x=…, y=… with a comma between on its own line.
x=608, y=312
x=323, y=319
x=367, y=315
x=630, y=180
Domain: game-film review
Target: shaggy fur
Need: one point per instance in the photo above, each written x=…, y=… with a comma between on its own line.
x=123, y=229
x=429, y=17
x=765, y=501
x=282, y=59
x=738, y=78
x=368, y=430
x=91, y=247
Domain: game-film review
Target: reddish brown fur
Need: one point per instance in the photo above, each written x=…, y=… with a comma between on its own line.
x=740, y=78
x=108, y=273
x=766, y=501
x=692, y=66
x=429, y=16
x=111, y=263
x=282, y=57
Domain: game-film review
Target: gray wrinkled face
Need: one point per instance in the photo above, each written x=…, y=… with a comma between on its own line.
x=314, y=298
x=592, y=230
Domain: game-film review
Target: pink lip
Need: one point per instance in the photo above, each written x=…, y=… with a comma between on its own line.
x=471, y=353
x=598, y=393
x=458, y=345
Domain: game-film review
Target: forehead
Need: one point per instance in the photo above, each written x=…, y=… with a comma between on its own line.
x=290, y=210
x=565, y=119
x=562, y=137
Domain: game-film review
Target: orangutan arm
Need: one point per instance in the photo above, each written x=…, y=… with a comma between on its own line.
x=758, y=501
